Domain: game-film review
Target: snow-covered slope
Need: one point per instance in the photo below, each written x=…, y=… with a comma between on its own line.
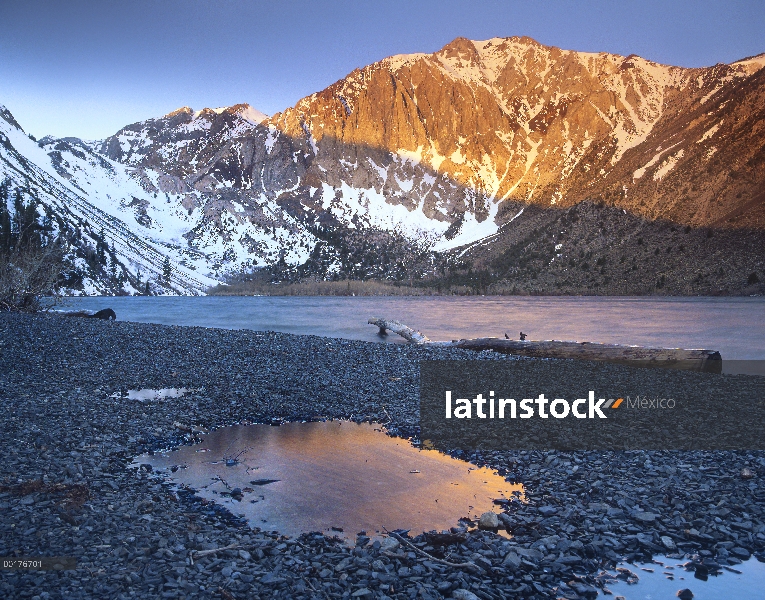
x=216, y=153
x=210, y=230
x=88, y=205
x=147, y=216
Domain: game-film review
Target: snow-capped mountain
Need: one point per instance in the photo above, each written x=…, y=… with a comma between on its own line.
x=447, y=149
x=453, y=143
x=147, y=216
x=511, y=119
x=81, y=207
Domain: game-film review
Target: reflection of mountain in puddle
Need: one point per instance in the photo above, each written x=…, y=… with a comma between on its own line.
x=333, y=476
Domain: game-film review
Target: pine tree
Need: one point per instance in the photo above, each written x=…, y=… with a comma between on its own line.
x=31, y=262
x=101, y=248
x=5, y=220
x=24, y=224
x=167, y=270
x=113, y=267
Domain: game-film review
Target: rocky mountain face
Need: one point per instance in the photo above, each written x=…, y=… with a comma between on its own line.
x=459, y=166
x=152, y=222
x=592, y=248
x=82, y=197
x=514, y=120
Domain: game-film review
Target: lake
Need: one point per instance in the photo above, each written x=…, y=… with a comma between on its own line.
x=733, y=326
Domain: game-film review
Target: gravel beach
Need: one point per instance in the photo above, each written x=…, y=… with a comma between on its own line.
x=65, y=489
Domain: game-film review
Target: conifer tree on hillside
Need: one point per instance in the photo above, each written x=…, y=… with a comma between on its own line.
x=31, y=257
x=167, y=270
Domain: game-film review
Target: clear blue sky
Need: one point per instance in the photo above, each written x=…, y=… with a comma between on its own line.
x=85, y=68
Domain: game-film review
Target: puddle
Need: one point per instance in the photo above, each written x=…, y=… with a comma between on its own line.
x=148, y=394
x=748, y=583
x=336, y=477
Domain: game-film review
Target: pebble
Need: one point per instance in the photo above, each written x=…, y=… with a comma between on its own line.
x=547, y=511
x=668, y=543
x=389, y=544
x=463, y=594
x=512, y=561
x=646, y=517
x=488, y=520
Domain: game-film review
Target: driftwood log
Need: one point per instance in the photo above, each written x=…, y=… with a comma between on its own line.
x=107, y=314
x=675, y=358
x=708, y=361
x=464, y=565
x=409, y=334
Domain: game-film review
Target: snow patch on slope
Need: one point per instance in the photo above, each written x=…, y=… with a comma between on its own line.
x=710, y=132
x=472, y=230
x=751, y=65
x=668, y=164
x=359, y=205
x=641, y=171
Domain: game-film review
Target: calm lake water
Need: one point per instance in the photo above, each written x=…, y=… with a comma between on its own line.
x=733, y=326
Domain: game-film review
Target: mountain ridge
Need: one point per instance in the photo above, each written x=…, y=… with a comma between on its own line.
x=534, y=139
x=437, y=156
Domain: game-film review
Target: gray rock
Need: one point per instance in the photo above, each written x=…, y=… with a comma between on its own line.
x=343, y=565
x=740, y=552
x=463, y=594
x=512, y=561
x=505, y=519
x=547, y=511
x=488, y=520
x=668, y=543
x=272, y=579
x=645, y=517
x=530, y=554
x=585, y=590
x=389, y=544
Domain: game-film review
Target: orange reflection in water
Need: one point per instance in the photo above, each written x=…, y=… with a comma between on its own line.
x=334, y=474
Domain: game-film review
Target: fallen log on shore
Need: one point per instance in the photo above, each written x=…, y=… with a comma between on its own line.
x=708, y=361
x=676, y=358
x=107, y=314
x=409, y=334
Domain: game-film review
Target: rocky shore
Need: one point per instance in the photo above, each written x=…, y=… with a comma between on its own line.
x=65, y=489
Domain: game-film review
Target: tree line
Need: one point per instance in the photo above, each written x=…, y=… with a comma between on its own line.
x=31, y=255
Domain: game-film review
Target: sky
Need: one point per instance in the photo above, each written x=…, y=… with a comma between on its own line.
x=86, y=68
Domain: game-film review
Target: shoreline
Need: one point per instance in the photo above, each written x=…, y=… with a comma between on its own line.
x=425, y=294
x=133, y=533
